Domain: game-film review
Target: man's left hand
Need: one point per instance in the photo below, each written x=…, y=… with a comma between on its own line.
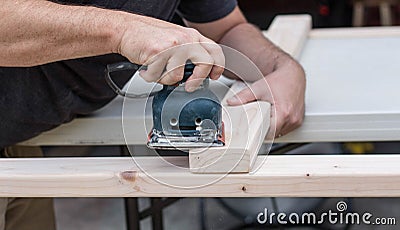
x=287, y=85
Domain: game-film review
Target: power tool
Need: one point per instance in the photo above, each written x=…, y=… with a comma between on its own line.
x=181, y=120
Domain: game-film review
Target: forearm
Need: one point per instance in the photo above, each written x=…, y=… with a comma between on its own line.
x=34, y=32
x=249, y=40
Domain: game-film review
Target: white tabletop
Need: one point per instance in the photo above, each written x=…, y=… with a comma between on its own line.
x=352, y=95
x=352, y=90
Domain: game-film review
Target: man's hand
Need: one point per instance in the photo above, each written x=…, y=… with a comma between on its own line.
x=287, y=85
x=35, y=32
x=285, y=77
x=164, y=48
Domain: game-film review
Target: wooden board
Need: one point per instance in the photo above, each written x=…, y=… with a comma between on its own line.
x=246, y=126
x=280, y=176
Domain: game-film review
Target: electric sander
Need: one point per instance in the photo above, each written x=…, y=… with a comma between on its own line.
x=181, y=120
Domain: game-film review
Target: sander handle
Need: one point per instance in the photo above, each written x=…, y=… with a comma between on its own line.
x=122, y=66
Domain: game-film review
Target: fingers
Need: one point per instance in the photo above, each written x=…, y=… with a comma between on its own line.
x=200, y=72
x=292, y=121
x=243, y=97
x=204, y=63
x=253, y=93
x=259, y=90
x=280, y=120
x=154, y=70
x=218, y=56
x=168, y=67
x=173, y=76
x=287, y=119
x=277, y=122
x=209, y=60
x=174, y=70
x=286, y=113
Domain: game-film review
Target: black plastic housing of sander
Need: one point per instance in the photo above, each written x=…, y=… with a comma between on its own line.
x=178, y=113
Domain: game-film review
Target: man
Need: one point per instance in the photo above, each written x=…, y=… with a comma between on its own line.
x=53, y=55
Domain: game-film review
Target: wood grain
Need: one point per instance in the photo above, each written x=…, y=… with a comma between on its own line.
x=280, y=176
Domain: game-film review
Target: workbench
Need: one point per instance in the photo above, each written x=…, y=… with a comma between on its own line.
x=352, y=94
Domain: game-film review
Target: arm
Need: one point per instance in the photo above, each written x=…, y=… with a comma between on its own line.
x=284, y=75
x=38, y=32
x=34, y=32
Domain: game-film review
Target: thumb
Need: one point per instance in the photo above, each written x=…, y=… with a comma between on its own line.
x=243, y=97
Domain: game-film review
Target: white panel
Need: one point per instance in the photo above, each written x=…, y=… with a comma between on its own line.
x=352, y=76
x=352, y=89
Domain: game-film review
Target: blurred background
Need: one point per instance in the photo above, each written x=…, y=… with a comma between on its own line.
x=325, y=13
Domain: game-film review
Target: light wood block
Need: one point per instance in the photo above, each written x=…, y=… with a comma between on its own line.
x=280, y=176
x=245, y=129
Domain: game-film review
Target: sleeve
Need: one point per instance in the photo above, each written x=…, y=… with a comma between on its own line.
x=202, y=11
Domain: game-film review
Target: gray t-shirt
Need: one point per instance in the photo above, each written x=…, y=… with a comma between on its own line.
x=36, y=99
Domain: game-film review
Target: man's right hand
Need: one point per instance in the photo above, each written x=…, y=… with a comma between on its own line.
x=165, y=47
x=35, y=32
